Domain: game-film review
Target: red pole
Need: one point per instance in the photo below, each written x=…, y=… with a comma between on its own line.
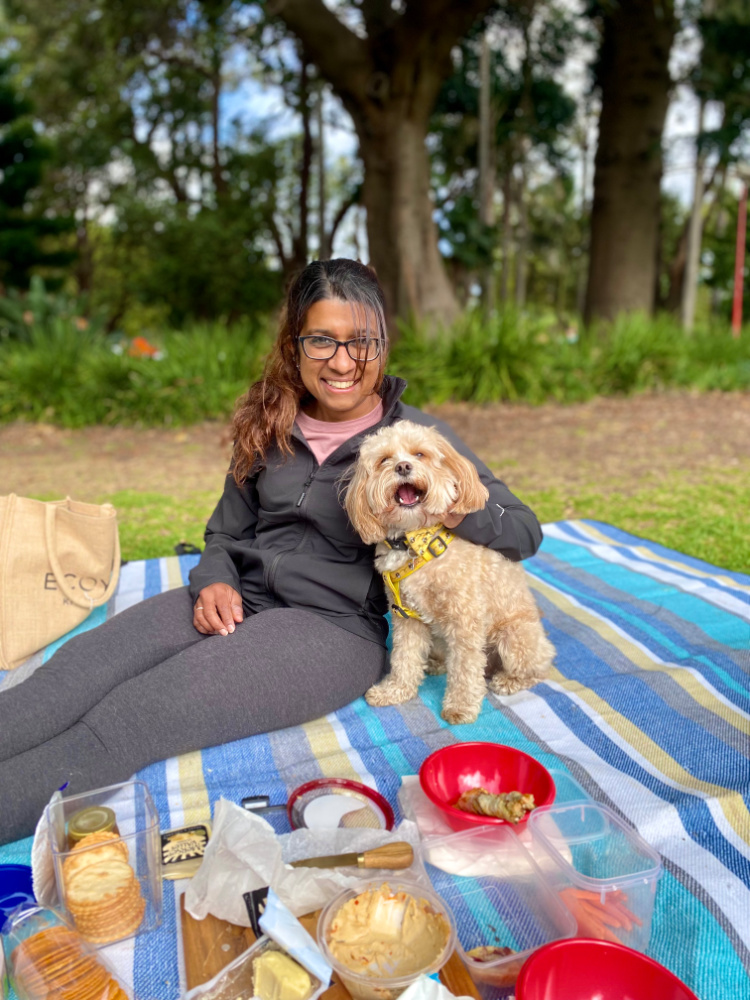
x=739, y=264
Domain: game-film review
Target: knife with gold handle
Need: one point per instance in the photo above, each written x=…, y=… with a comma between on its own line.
x=396, y=855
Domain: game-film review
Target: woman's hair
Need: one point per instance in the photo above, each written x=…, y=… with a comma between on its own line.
x=268, y=409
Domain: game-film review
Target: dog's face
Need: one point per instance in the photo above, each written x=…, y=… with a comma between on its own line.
x=409, y=477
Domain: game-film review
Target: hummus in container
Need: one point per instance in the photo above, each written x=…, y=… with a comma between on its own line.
x=382, y=937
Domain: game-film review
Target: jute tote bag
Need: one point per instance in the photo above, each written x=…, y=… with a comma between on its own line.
x=58, y=561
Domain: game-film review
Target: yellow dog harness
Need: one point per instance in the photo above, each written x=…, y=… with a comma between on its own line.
x=426, y=544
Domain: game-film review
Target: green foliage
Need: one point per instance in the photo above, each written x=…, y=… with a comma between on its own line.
x=70, y=376
x=24, y=228
x=520, y=357
x=41, y=310
x=74, y=378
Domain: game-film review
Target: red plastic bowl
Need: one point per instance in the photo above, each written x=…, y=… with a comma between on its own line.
x=448, y=772
x=580, y=969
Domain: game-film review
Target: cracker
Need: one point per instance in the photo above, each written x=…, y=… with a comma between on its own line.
x=94, y=855
x=96, y=883
x=102, y=837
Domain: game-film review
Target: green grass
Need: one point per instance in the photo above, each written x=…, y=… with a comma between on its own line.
x=709, y=520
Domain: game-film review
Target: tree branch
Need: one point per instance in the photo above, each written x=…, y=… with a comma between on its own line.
x=340, y=55
x=379, y=16
x=348, y=203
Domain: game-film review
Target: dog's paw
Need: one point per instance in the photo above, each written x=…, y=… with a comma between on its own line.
x=386, y=693
x=459, y=716
x=507, y=684
x=435, y=665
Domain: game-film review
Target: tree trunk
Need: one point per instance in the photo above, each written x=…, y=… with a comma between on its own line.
x=401, y=232
x=388, y=81
x=505, y=240
x=633, y=77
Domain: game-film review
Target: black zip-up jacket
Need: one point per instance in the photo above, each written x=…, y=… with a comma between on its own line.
x=283, y=539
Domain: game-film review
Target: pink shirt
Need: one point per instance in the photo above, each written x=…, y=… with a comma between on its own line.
x=324, y=436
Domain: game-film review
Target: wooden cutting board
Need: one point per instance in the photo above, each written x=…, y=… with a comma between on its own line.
x=208, y=945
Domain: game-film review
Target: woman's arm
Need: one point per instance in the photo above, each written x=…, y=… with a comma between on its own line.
x=234, y=520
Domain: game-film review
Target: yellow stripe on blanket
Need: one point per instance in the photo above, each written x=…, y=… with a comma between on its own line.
x=324, y=743
x=196, y=807
x=640, y=658
x=174, y=573
x=629, y=735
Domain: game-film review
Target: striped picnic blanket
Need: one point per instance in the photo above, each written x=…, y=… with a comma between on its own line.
x=648, y=709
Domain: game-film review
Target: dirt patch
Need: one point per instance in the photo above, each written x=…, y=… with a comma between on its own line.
x=604, y=445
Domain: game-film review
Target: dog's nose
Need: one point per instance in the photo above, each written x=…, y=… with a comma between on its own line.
x=403, y=468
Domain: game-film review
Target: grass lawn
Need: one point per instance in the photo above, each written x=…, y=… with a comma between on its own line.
x=710, y=521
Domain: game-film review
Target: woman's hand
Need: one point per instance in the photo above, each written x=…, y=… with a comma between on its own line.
x=217, y=609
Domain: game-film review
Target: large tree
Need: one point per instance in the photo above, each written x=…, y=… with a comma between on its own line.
x=25, y=225
x=633, y=79
x=387, y=71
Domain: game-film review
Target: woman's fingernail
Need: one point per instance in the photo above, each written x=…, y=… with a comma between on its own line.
x=231, y=628
x=223, y=631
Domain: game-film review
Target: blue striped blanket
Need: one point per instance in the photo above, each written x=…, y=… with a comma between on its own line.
x=648, y=708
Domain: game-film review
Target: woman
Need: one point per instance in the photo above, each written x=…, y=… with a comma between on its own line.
x=283, y=619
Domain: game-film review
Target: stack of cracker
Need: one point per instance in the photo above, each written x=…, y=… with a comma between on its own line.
x=102, y=894
x=55, y=965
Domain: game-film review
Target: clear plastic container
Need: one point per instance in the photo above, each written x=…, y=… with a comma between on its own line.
x=501, y=902
x=48, y=960
x=236, y=981
x=372, y=985
x=109, y=883
x=604, y=872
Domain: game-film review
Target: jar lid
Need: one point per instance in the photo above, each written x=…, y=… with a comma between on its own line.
x=93, y=819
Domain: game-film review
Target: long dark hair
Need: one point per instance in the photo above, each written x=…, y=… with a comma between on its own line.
x=268, y=409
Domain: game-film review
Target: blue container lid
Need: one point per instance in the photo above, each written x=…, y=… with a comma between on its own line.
x=15, y=889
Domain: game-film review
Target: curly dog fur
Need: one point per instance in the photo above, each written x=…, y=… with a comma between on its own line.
x=478, y=621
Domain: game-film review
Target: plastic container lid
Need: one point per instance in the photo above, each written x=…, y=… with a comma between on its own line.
x=16, y=889
x=606, y=853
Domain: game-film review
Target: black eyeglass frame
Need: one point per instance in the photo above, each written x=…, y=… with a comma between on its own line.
x=341, y=343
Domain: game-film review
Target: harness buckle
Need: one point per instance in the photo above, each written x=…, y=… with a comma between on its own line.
x=436, y=546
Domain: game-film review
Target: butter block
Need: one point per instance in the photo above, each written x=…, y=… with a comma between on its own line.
x=278, y=977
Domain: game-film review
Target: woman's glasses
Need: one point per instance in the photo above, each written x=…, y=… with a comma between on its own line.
x=319, y=348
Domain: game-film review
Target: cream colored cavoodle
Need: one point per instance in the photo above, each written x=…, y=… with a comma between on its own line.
x=477, y=620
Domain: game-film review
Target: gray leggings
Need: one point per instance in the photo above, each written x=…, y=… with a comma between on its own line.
x=145, y=686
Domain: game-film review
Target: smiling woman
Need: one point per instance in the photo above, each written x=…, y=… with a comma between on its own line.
x=283, y=620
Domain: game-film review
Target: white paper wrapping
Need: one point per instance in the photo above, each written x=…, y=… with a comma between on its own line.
x=245, y=853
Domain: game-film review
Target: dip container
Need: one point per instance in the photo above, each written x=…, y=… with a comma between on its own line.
x=369, y=987
x=137, y=835
x=499, y=898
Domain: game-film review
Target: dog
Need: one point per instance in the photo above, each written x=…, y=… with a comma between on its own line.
x=465, y=610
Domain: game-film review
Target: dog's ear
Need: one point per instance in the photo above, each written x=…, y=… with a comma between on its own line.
x=472, y=493
x=365, y=524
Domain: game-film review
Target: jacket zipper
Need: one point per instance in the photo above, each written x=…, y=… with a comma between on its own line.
x=279, y=556
x=306, y=487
